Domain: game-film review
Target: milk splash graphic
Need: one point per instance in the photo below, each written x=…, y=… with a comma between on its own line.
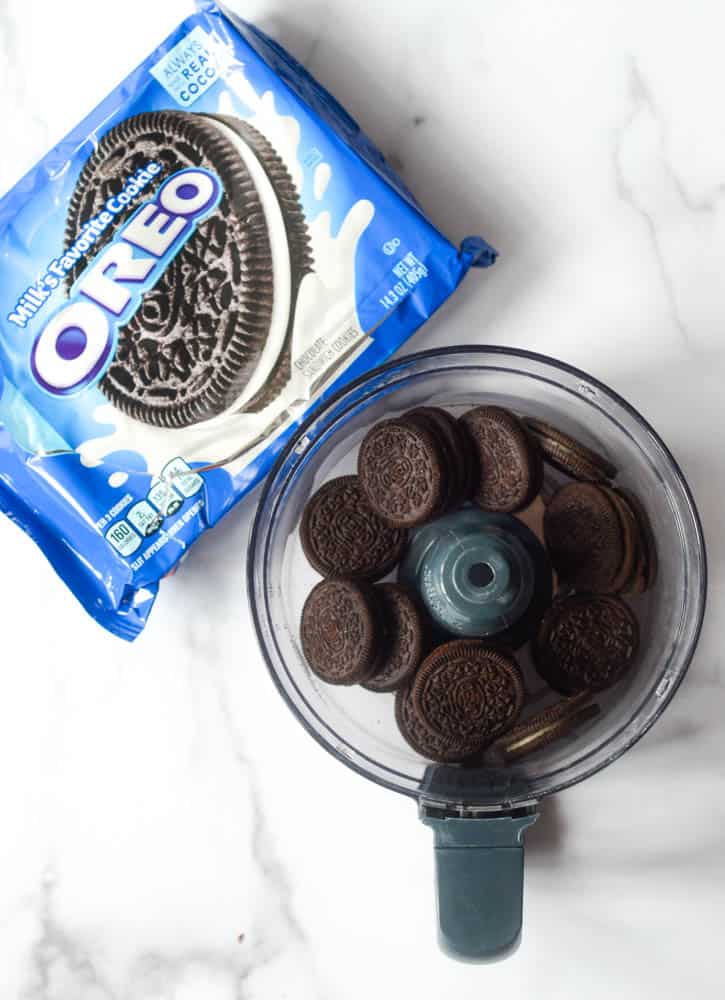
x=326, y=308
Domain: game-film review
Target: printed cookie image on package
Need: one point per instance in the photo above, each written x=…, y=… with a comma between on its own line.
x=214, y=333
x=211, y=252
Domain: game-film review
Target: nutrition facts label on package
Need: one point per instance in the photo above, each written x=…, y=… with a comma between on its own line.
x=146, y=518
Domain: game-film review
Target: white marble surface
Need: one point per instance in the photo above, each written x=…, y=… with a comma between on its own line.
x=167, y=831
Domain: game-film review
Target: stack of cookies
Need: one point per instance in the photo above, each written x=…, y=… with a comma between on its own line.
x=461, y=698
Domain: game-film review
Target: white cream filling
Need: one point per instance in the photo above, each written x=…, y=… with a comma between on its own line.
x=281, y=272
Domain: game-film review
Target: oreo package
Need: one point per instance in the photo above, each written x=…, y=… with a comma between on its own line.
x=214, y=250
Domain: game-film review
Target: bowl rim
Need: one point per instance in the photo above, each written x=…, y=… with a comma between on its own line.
x=327, y=403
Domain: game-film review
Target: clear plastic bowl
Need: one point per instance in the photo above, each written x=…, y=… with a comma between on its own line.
x=358, y=727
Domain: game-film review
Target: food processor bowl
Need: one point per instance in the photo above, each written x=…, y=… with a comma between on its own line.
x=478, y=813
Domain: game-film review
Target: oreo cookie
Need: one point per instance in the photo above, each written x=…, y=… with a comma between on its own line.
x=405, y=631
x=546, y=727
x=403, y=472
x=645, y=571
x=431, y=426
x=586, y=642
x=342, y=631
x=468, y=693
x=568, y=455
x=423, y=740
x=342, y=535
x=213, y=334
x=630, y=539
x=588, y=540
x=509, y=467
x=457, y=454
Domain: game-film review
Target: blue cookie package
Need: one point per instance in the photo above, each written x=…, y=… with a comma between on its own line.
x=215, y=249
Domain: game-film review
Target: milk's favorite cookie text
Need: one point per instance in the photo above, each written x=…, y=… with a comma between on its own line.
x=32, y=300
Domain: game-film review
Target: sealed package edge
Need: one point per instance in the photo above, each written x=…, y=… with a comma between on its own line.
x=210, y=253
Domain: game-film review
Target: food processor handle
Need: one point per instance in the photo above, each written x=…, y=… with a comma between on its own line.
x=480, y=883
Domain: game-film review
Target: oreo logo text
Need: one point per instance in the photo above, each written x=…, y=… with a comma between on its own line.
x=77, y=344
